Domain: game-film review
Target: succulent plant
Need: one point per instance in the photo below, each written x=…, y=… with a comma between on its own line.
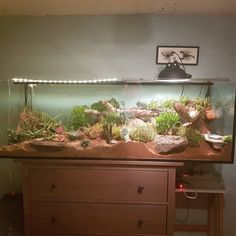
x=166, y=122
x=108, y=121
x=145, y=133
x=193, y=136
x=79, y=118
x=142, y=105
x=84, y=143
x=114, y=103
x=168, y=103
x=94, y=131
x=184, y=100
x=153, y=105
x=116, y=132
x=99, y=106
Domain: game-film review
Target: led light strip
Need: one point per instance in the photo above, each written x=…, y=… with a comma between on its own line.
x=95, y=81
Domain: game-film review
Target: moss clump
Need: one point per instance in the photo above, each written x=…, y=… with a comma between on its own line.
x=166, y=122
x=193, y=136
x=145, y=133
x=79, y=118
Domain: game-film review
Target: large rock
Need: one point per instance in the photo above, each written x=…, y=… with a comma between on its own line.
x=168, y=143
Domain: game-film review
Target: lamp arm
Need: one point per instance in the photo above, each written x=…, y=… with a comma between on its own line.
x=173, y=52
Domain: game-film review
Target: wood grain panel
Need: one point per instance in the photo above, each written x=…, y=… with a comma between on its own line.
x=88, y=218
x=98, y=185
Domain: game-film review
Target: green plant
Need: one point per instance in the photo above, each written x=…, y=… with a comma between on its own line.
x=145, y=133
x=166, y=122
x=84, y=143
x=141, y=105
x=184, y=100
x=202, y=103
x=193, y=136
x=116, y=132
x=153, y=105
x=111, y=118
x=114, y=103
x=99, y=106
x=108, y=121
x=168, y=104
x=94, y=131
x=79, y=118
x=34, y=124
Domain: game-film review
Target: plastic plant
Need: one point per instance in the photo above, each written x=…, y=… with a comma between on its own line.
x=166, y=122
x=193, y=136
x=79, y=118
x=145, y=133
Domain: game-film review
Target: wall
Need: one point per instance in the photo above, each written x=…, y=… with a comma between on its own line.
x=71, y=47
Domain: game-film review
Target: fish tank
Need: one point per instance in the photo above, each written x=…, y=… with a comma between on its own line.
x=156, y=120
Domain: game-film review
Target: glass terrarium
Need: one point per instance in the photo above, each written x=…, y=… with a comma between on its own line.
x=118, y=119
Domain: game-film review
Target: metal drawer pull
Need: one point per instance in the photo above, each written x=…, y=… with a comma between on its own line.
x=53, y=220
x=140, y=188
x=52, y=187
x=140, y=222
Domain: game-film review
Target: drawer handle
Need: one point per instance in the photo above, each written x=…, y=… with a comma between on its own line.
x=140, y=222
x=52, y=186
x=53, y=220
x=140, y=188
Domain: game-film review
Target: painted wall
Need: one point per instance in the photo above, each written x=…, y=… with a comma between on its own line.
x=71, y=47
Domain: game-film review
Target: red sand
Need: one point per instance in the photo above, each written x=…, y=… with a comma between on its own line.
x=120, y=150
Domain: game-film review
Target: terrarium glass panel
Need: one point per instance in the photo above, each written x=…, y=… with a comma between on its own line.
x=154, y=121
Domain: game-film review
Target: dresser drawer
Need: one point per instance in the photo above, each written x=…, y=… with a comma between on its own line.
x=87, y=218
x=98, y=185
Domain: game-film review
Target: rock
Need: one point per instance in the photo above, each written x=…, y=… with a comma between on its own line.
x=168, y=143
x=135, y=123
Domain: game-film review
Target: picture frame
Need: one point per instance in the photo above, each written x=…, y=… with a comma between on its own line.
x=186, y=55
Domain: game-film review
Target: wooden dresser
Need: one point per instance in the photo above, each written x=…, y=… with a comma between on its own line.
x=97, y=197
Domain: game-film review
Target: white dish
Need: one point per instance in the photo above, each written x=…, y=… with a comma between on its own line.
x=215, y=136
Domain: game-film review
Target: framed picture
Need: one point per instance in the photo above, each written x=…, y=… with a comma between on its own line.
x=187, y=55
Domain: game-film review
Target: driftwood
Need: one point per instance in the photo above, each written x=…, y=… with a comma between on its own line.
x=191, y=117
